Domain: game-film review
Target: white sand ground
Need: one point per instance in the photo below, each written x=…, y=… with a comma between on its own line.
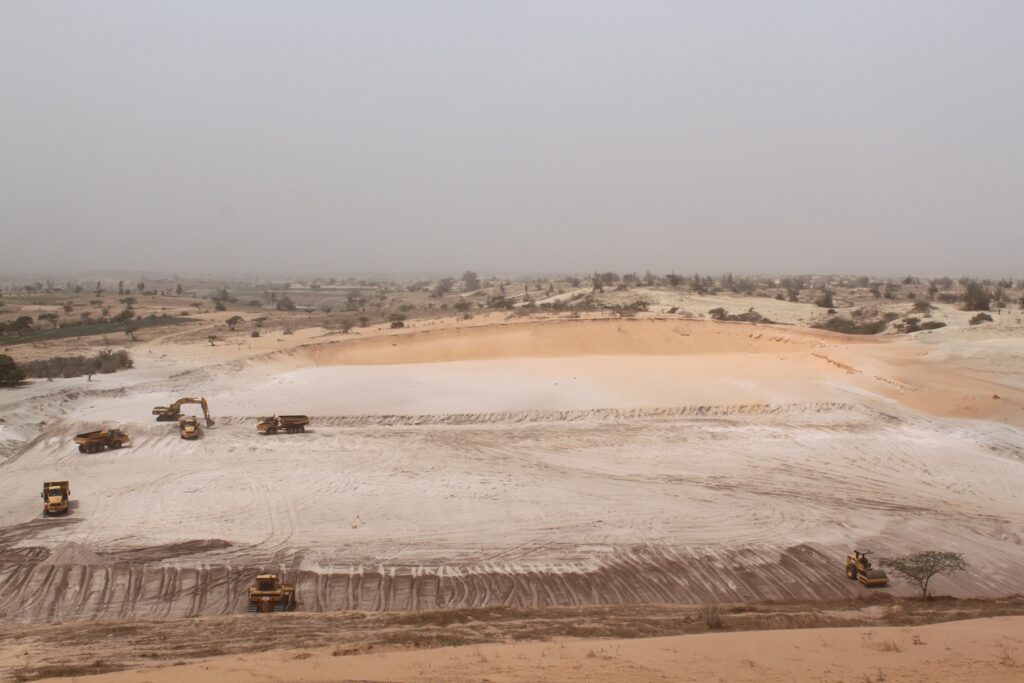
x=554, y=463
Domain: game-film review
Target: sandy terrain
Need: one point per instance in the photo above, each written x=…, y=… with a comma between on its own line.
x=552, y=463
x=987, y=650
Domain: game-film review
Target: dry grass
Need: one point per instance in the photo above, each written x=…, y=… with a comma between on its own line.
x=64, y=670
x=889, y=646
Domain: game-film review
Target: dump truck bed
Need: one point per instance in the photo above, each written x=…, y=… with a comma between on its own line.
x=90, y=437
x=293, y=420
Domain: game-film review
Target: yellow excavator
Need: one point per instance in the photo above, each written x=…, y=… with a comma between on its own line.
x=173, y=412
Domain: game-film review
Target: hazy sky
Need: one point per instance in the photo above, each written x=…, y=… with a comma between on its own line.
x=877, y=137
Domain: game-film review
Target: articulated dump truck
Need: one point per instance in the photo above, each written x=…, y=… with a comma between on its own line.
x=269, y=594
x=101, y=439
x=188, y=428
x=55, y=497
x=291, y=424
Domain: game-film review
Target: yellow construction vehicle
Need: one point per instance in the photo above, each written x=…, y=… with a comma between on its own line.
x=292, y=424
x=173, y=411
x=269, y=594
x=94, y=442
x=188, y=427
x=859, y=568
x=55, y=497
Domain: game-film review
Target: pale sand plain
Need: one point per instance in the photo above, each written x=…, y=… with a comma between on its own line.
x=526, y=464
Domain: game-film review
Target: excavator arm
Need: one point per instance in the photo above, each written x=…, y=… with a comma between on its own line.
x=173, y=411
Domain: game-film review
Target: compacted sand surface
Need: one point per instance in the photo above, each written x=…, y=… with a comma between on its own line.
x=554, y=463
x=987, y=650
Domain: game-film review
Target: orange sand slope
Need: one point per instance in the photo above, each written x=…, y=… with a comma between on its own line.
x=912, y=371
x=965, y=651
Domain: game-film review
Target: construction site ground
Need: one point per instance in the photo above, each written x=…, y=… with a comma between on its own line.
x=533, y=464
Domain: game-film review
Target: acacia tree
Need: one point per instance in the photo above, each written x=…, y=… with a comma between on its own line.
x=976, y=297
x=233, y=321
x=48, y=317
x=470, y=281
x=921, y=568
x=130, y=329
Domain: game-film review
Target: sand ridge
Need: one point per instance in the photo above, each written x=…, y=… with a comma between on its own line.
x=984, y=650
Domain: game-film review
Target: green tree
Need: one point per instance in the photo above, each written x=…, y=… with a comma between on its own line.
x=470, y=281
x=443, y=286
x=10, y=373
x=48, y=317
x=825, y=300
x=22, y=325
x=976, y=297
x=921, y=568
x=233, y=321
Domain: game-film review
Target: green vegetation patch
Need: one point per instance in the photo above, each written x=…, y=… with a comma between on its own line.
x=90, y=330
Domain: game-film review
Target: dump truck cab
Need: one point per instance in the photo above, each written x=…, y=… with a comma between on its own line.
x=55, y=497
x=189, y=427
x=269, y=594
x=859, y=568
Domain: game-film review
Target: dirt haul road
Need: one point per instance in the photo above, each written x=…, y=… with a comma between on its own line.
x=560, y=463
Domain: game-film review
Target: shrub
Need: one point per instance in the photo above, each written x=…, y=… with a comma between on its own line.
x=751, y=316
x=976, y=297
x=713, y=617
x=847, y=326
x=10, y=372
x=922, y=307
x=980, y=318
x=104, y=362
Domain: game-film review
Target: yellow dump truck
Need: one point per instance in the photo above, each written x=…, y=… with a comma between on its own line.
x=291, y=424
x=188, y=428
x=55, y=497
x=94, y=442
x=269, y=594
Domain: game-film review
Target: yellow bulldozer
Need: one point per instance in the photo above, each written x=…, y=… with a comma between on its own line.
x=172, y=412
x=269, y=594
x=859, y=568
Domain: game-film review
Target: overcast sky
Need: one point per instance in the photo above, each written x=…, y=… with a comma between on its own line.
x=328, y=137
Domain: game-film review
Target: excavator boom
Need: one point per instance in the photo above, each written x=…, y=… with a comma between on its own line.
x=173, y=411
